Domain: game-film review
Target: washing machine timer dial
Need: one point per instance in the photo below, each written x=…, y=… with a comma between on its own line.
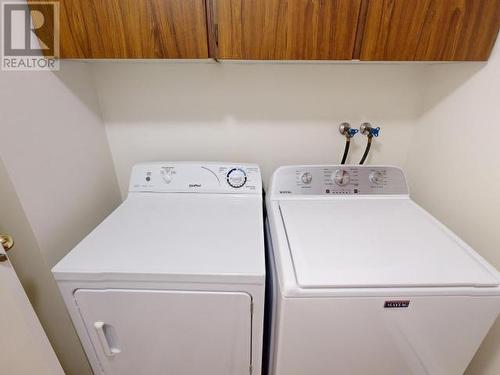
x=306, y=178
x=236, y=178
x=341, y=177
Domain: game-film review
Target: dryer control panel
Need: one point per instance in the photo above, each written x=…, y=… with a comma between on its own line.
x=338, y=180
x=189, y=177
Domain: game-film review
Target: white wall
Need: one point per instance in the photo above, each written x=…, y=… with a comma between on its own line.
x=454, y=165
x=55, y=152
x=265, y=113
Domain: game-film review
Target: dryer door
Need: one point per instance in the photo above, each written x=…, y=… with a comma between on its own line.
x=168, y=332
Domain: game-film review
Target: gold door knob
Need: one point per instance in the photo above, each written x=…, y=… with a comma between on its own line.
x=7, y=243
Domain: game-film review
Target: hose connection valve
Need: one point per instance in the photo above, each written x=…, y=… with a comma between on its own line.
x=367, y=129
x=346, y=130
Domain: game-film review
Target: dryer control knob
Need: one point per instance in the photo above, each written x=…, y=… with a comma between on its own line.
x=236, y=178
x=167, y=177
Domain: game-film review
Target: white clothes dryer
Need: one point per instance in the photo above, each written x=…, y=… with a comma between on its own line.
x=173, y=281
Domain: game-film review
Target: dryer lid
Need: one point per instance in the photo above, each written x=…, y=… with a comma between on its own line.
x=377, y=243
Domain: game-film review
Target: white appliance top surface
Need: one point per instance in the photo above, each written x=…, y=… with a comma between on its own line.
x=174, y=236
x=376, y=242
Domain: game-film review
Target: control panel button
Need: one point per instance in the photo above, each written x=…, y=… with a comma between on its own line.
x=341, y=177
x=306, y=178
x=236, y=178
x=376, y=177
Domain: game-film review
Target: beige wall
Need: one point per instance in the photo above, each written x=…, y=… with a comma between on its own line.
x=454, y=165
x=271, y=114
x=62, y=183
x=36, y=278
x=56, y=152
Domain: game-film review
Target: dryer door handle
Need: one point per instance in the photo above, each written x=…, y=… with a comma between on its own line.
x=104, y=334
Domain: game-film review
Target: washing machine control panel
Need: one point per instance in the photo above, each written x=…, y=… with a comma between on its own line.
x=339, y=180
x=196, y=177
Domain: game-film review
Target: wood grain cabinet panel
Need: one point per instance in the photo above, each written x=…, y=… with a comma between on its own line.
x=285, y=29
x=424, y=30
x=133, y=29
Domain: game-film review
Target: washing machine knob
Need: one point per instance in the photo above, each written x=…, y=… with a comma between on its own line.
x=376, y=177
x=306, y=178
x=341, y=177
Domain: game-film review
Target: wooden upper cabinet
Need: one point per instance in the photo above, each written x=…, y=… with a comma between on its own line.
x=402, y=30
x=420, y=30
x=133, y=29
x=284, y=29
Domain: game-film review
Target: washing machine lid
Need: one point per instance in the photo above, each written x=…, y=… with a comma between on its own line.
x=177, y=237
x=377, y=243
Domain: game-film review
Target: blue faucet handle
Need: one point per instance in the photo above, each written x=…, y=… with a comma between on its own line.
x=376, y=131
x=352, y=132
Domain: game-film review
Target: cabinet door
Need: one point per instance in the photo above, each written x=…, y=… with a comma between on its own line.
x=167, y=332
x=285, y=29
x=430, y=29
x=133, y=29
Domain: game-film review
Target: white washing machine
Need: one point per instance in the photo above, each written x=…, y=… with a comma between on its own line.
x=173, y=281
x=366, y=282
